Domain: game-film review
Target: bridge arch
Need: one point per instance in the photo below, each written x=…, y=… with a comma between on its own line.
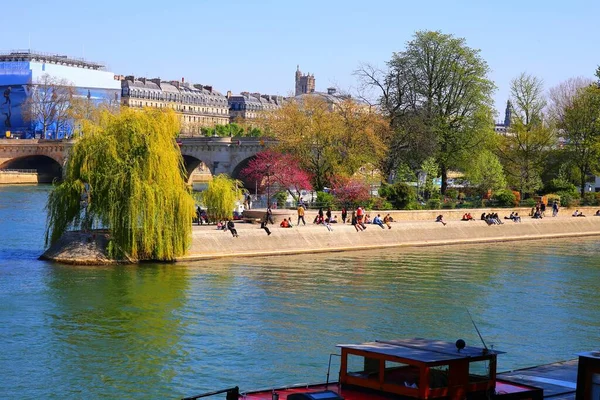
x=236, y=173
x=47, y=168
x=196, y=170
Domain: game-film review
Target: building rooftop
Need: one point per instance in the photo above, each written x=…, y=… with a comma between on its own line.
x=30, y=55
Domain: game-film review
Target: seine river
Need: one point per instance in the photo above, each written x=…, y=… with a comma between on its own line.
x=167, y=331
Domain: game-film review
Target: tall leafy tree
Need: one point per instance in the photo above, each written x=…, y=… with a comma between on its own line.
x=326, y=138
x=525, y=148
x=441, y=86
x=486, y=172
x=128, y=169
x=580, y=127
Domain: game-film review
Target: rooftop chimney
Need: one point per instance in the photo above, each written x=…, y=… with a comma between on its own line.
x=331, y=90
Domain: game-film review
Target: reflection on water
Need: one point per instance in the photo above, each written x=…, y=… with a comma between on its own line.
x=166, y=331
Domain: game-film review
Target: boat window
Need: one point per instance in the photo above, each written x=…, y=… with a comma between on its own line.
x=438, y=376
x=363, y=367
x=400, y=373
x=479, y=371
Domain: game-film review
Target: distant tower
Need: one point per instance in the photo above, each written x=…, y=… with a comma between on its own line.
x=507, y=114
x=304, y=83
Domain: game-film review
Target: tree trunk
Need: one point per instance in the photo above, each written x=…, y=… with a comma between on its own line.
x=444, y=172
x=582, y=171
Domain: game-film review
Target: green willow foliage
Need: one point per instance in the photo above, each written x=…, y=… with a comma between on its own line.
x=130, y=172
x=220, y=197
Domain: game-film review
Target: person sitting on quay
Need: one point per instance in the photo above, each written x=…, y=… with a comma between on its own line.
x=231, y=227
x=483, y=217
x=597, y=213
x=334, y=220
x=386, y=220
x=368, y=219
x=440, y=218
x=467, y=217
x=496, y=219
x=537, y=214
x=285, y=223
x=516, y=217
x=578, y=213
x=378, y=221
x=327, y=225
x=221, y=226
x=318, y=219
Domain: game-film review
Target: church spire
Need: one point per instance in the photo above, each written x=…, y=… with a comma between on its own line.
x=507, y=114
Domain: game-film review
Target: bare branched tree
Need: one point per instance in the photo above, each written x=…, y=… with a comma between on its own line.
x=47, y=104
x=561, y=96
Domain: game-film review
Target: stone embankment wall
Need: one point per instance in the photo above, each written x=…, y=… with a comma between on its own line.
x=253, y=241
x=14, y=178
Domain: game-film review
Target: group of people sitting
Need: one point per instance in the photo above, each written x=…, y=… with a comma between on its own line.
x=286, y=223
x=514, y=216
x=467, y=217
x=491, y=219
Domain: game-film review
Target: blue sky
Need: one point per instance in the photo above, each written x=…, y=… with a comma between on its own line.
x=255, y=45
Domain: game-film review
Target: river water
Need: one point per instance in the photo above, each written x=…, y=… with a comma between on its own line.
x=167, y=331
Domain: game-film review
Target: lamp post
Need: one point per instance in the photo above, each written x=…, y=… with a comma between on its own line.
x=268, y=185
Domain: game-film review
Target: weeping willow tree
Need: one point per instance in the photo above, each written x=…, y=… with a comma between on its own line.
x=220, y=197
x=126, y=174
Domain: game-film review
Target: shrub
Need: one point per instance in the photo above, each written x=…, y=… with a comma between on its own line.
x=449, y=205
x=399, y=194
x=590, y=199
x=530, y=202
x=568, y=199
x=433, y=204
x=452, y=194
x=505, y=198
x=325, y=199
x=281, y=198
x=552, y=197
x=379, y=203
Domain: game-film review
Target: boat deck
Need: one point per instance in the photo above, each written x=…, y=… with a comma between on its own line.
x=558, y=380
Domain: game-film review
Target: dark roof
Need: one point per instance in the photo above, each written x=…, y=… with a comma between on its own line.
x=423, y=350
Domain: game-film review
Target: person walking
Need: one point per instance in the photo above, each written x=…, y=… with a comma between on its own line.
x=231, y=227
x=344, y=215
x=301, y=214
x=555, y=208
x=328, y=214
x=263, y=225
x=269, y=216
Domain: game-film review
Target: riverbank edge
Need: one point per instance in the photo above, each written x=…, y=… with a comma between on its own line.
x=433, y=243
x=77, y=248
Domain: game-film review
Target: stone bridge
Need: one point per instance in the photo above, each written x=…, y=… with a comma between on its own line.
x=203, y=156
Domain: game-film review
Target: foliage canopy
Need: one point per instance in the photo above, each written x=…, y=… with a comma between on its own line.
x=220, y=196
